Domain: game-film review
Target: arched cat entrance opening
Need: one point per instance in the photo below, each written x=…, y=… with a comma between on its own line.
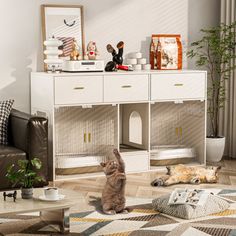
x=134, y=123
x=135, y=128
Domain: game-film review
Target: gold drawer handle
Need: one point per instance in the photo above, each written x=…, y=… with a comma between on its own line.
x=78, y=88
x=85, y=137
x=178, y=85
x=126, y=86
x=89, y=137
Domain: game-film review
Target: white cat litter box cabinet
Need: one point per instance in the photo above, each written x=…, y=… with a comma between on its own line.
x=154, y=118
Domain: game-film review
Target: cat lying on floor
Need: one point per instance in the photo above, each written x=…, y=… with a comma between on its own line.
x=113, y=195
x=187, y=175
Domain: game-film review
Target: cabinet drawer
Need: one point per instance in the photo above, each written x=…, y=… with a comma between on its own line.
x=122, y=88
x=82, y=89
x=178, y=86
x=135, y=161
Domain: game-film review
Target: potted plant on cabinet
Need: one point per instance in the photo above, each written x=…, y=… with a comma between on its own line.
x=215, y=51
x=25, y=176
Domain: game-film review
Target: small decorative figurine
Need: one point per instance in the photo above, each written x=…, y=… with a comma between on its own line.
x=11, y=195
x=92, y=52
x=112, y=66
x=117, y=57
x=52, y=52
x=74, y=55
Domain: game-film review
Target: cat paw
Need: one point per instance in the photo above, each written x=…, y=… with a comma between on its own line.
x=116, y=153
x=124, y=211
x=121, y=176
x=110, y=212
x=158, y=182
x=195, y=180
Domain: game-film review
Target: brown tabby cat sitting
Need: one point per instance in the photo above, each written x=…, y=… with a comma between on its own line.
x=188, y=175
x=113, y=195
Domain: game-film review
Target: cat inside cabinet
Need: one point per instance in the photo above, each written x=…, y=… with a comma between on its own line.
x=177, y=133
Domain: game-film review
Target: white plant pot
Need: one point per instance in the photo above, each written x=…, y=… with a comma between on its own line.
x=27, y=193
x=215, y=149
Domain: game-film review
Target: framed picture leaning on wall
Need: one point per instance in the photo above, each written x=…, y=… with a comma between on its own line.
x=66, y=23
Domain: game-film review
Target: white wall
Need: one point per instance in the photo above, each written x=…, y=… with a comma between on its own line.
x=106, y=21
x=201, y=14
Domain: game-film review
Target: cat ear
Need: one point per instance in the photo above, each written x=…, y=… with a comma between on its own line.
x=103, y=164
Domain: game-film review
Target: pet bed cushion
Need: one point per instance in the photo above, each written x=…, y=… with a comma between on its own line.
x=5, y=109
x=214, y=204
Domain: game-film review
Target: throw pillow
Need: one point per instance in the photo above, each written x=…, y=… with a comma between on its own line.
x=213, y=205
x=5, y=109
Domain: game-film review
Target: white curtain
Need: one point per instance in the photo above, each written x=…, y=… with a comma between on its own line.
x=228, y=114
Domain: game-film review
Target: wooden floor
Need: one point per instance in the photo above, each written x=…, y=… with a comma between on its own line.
x=138, y=185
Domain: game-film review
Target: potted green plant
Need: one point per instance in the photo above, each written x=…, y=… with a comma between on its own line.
x=25, y=175
x=215, y=51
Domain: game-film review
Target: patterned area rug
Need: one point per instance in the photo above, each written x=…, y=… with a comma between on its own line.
x=142, y=220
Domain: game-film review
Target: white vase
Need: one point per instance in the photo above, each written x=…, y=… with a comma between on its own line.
x=215, y=149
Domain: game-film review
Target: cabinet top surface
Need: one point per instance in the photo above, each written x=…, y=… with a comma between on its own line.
x=117, y=73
